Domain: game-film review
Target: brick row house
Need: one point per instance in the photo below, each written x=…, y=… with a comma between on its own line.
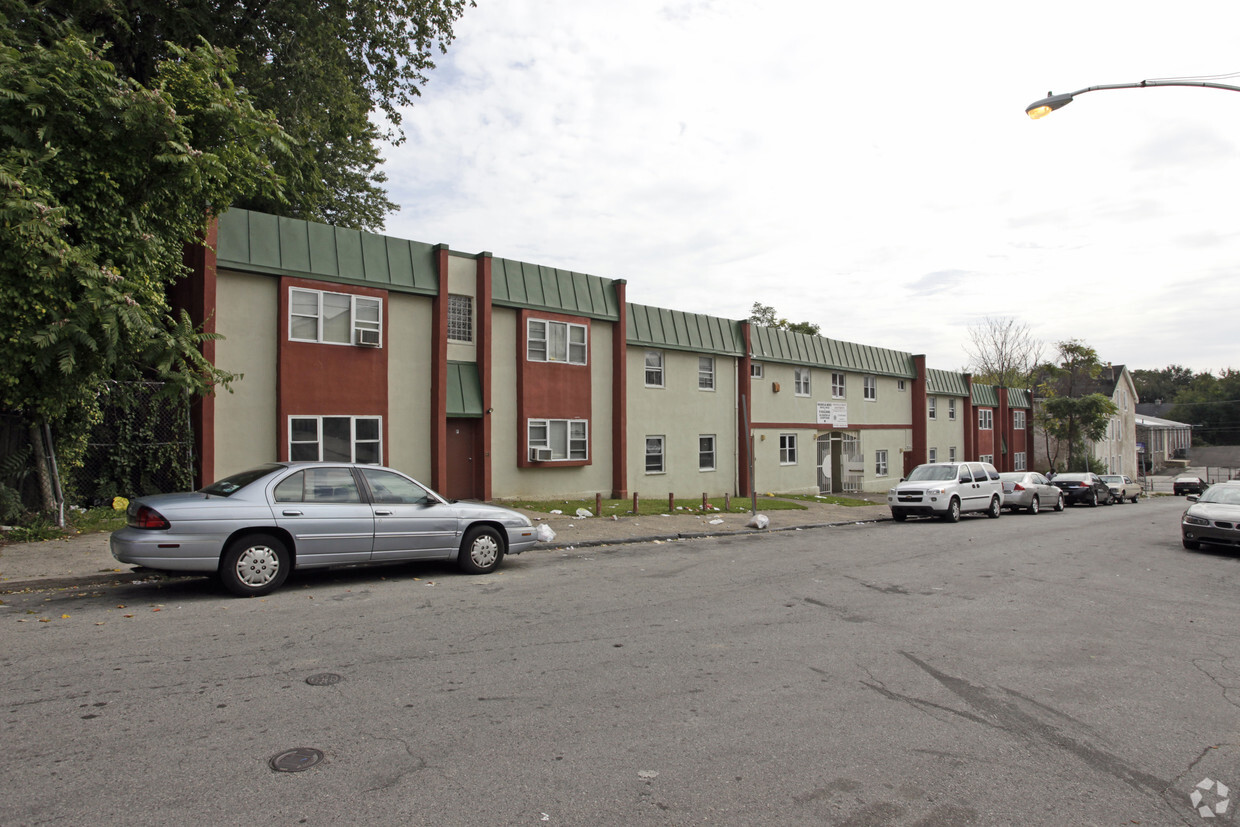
x=488, y=378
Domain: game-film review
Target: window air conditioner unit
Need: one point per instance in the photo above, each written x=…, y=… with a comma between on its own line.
x=368, y=338
x=540, y=454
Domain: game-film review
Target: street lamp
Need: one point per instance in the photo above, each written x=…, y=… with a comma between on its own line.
x=1045, y=106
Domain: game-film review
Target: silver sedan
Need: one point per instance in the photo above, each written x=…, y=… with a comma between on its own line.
x=1029, y=491
x=252, y=528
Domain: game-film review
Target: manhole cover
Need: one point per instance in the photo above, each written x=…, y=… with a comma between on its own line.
x=296, y=760
x=324, y=679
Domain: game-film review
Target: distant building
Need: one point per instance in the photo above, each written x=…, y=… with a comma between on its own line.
x=1117, y=450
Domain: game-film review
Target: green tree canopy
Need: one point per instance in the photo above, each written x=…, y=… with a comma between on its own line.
x=102, y=182
x=1070, y=410
x=766, y=316
x=1164, y=385
x=324, y=67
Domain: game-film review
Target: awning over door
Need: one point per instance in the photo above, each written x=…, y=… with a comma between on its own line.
x=464, y=390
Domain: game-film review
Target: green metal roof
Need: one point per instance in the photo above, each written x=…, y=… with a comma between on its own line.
x=1019, y=398
x=258, y=242
x=945, y=383
x=986, y=396
x=778, y=345
x=517, y=284
x=678, y=330
x=464, y=389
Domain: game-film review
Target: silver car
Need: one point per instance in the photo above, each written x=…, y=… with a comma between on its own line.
x=1213, y=517
x=253, y=527
x=1029, y=491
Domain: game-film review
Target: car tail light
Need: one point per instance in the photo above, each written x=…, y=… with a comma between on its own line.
x=1018, y=487
x=146, y=517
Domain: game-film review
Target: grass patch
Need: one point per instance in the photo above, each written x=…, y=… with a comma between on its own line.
x=829, y=499
x=652, y=506
x=36, y=527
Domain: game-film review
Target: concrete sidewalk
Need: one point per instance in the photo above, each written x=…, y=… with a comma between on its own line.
x=85, y=560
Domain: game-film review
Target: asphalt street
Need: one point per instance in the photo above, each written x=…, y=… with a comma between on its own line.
x=1074, y=668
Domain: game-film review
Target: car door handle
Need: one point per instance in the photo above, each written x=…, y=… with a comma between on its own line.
x=383, y=513
x=291, y=513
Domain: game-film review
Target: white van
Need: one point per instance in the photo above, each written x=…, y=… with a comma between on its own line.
x=945, y=489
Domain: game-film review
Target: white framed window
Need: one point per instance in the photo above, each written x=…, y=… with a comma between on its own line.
x=932, y=407
x=987, y=458
x=706, y=452
x=787, y=449
x=655, y=460
x=837, y=386
x=985, y=419
x=800, y=381
x=880, y=463
x=871, y=389
x=900, y=386
x=951, y=454
x=1018, y=461
x=654, y=368
x=460, y=318
x=336, y=439
x=548, y=341
x=567, y=439
x=706, y=373
x=934, y=455
x=951, y=410
x=755, y=370
x=334, y=318
x=1018, y=422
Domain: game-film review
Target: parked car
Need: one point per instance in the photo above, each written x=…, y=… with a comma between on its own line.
x=1084, y=488
x=1122, y=487
x=1030, y=491
x=1212, y=517
x=946, y=489
x=251, y=528
x=1188, y=484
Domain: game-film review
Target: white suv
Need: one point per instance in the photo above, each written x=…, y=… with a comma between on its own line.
x=945, y=489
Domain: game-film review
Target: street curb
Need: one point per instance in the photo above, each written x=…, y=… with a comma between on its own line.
x=701, y=535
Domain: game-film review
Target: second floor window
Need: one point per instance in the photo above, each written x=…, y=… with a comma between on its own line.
x=1018, y=422
x=837, y=386
x=932, y=407
x=333, y=318
x=706, y=373
x=871, y=388
x=548, y=341
x=985, y=419
x=951, y=409
x=654, y=368
x=460, y=318
x=800, y=381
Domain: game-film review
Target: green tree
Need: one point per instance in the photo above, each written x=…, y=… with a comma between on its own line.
x=1211, y=404
x=766, y=316
x=1165, y=384
x=326, y=68
x=1069, y=411
x=1002, y=352
x=102, y=182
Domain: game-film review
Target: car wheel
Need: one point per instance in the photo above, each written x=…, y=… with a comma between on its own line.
x=1115, y=500
x=1035, y=506
x=996, y=508
x=953, y=511
x=1191, y=545
x=254, y=565
x=1135, y=498
x=1093, y=499
x=898, y=516
x=1059, y=506
x=482, y=550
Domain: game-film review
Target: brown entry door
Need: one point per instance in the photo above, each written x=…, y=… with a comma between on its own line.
x=463, y=467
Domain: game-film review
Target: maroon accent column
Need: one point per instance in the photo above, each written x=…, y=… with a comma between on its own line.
x=483, y=349
x=620, y=396
x=439, y=374
x=196, y=295
x=921, y=424
x=970, y=421
x=743, y=434
x=1004, y=430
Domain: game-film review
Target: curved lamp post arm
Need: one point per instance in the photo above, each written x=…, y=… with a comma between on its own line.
x=1048, y=104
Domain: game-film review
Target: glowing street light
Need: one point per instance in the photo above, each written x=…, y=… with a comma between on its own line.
x=1045, y=106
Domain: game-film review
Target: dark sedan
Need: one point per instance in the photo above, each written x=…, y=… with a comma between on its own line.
x=251, y=528
x=1188, y=484
x=1084, y=488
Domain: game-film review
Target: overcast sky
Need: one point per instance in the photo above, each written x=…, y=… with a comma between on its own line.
x=865, y=166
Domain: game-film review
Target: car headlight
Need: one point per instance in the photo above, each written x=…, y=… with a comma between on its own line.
x=1193, y=520
x=936, y=490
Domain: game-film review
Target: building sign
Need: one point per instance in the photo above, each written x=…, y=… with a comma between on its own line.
x=834, y=414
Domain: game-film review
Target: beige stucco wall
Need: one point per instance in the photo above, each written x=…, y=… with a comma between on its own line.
x=770, y=476
x=463, y=281
x=248, y=311
x=409, y=346
x=508, y=479
x=681, y=413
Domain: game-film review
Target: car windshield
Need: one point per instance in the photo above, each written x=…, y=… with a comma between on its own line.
x=232, y=484
x=932, y=473
x=1225, y=494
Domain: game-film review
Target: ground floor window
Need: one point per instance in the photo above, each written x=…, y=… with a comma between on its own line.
x=934, y=455
x=566, y=439
x=335, y=439
x=880, y=463
x=706, y=452
x=655, y=463
x=1018, y=461
x=951, y=454
x=787, y=449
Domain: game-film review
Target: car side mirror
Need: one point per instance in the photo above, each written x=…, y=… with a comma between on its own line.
x=964, y=479
x=1192, y=498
